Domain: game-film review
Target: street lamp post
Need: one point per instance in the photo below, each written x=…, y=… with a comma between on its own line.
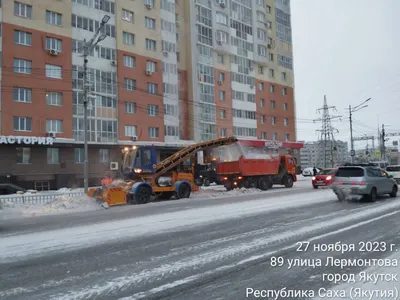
x=351, y=111
x=87, y=50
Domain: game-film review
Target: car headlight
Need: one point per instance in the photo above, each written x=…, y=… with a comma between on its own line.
x=329, y=178
x=313, y=178
x=138, y=170
x=201, y=176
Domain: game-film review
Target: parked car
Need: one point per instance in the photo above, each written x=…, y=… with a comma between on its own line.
x=363, y=182
x=324, y=177
x=394, y=170
x=309, y=172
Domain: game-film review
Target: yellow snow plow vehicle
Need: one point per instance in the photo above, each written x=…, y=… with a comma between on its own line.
x=145, y=177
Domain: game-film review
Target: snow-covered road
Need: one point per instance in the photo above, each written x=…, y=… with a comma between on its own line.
x=190, y=250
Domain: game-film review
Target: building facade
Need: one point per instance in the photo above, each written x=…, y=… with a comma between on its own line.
x=168, y=73
x=323, y=155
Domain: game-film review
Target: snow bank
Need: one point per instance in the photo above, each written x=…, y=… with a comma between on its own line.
x=374, y=287
x=62, y=204
x=71, y=238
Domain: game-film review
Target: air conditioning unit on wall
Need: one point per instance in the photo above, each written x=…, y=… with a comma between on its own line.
x=113, y=166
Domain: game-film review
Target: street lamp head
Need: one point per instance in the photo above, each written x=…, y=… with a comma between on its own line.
x=101, y=38
x=105, y=19
x=367, y=99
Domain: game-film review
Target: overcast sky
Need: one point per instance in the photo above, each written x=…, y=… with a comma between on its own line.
x=349, y=51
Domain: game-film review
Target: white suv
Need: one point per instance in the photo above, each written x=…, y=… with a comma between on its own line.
x=394, y=170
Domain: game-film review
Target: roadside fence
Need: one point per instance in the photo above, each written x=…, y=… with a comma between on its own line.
x=39, y=199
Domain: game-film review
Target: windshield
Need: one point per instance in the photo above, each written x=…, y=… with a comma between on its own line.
x=393, y=169
x=350, y=172
x=327, y=172
x=129, y=157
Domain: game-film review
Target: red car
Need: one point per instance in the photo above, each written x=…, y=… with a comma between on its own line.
x=324, y=178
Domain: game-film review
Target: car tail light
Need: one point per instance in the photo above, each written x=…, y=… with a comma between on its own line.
x=359, y=183
x=338, y=182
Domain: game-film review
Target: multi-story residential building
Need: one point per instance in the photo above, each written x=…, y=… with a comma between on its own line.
x=168, y=73
x=318, y=153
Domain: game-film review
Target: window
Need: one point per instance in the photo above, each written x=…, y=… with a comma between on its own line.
x=91, y=25
x=53, y=44
x=269, y=24
x=273, y=120
x=274, y=136
x=54, y=98
x=22, y=124
x=271, y=73
x=262, y=50
x=22, y=66
x=260, y=17
x=130, y=107
x=54, y=126
x=151, y=66
x=261, y=86
x=222, y=114
x=222, y=37
x=285, y=106
x=262, y=102
x=350, y=172
x=262, y=119
x=53, y=71
x=22, y=38
x=22, y=95
x=284, y=91
x=283, y=76
x=171, y=130
x=104, y=156
x=178, y=56
x=127, y=15
x=221, y=95
x=286, y=121
x=271, y=57
x=223, y=132
x=128, y=38
x=53, y=18
x=261, y=34
x=149, y=3
x=150, y=23
x=171, y=110
x=273, y=104
x=221, y=18
x=22, y=10
x=130, y=84
x=152, y=88
x=272, y=88
x=129, y=61
x=221, y=77
x=103, y=5
x=260, y=70
x=151, y=44
x=268, y=9
x=23, y=155
x=130, y=130
x=261, y=3
x=287, y=137
x=263, y=135
x=152, y=110
x=53, y=156
x=220, y=59
x=153, y=132
x=79, y=155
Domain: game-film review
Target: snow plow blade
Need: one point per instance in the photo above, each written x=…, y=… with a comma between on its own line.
x=111, y=196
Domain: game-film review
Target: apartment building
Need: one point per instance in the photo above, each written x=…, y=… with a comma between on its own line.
x=318, y=153
x=167, y=73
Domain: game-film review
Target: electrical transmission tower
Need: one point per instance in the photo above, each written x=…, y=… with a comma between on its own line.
x=326, y=141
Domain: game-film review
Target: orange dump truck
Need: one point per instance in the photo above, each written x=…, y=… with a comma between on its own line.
x=260, y=173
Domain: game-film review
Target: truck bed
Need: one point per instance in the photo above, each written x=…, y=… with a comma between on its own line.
x=249, y=167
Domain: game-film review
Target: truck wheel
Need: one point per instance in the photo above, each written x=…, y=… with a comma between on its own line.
x=228, y=185
x=206, y=182
x=183, y=191
x=142, y=195
x=288, y=181
x=264, y=183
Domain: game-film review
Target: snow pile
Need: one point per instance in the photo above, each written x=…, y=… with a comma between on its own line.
x=61, y=204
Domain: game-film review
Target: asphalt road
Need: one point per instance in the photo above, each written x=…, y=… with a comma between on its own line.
x=215, y=261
